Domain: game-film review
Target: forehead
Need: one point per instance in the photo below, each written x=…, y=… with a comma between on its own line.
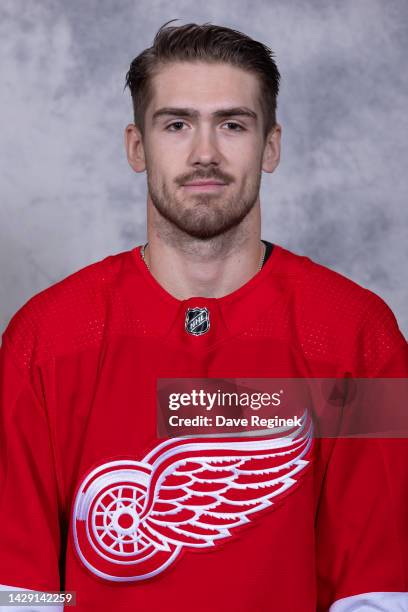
x=204, y=86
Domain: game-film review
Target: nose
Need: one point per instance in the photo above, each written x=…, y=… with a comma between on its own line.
x=204, y=149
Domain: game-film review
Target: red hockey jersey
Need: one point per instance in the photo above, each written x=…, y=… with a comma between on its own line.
x=80, y=457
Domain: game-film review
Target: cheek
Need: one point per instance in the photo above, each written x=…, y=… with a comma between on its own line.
x=250, y=179
x=245, y=174
x=168, y=163
x=157, y=168
x=157, y=155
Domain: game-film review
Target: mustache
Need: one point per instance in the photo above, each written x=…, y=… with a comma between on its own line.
x=205, y=177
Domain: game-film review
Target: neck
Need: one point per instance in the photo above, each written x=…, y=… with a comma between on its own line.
x=186, y=266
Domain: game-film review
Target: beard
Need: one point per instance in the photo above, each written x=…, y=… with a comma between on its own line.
x=204, y=215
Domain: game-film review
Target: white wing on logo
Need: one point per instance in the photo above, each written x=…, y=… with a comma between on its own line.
x=131, y=519
x=199, y=491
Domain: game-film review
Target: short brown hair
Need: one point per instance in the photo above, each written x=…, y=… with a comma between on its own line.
x=209, y=43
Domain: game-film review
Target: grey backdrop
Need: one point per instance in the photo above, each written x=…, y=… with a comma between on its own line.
x=69, y=198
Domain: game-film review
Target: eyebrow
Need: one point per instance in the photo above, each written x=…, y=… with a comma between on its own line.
x=193, y=114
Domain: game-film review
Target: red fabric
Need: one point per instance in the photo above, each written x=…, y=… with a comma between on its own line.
x=78, y=369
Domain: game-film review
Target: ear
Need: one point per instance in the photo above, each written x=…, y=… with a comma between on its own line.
x=134, y=148
x=271, y=155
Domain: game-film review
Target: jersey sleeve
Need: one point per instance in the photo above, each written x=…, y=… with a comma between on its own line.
x=361, y=524
x=29, y=508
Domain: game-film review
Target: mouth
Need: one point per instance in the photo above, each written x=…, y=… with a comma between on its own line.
x=204, y=186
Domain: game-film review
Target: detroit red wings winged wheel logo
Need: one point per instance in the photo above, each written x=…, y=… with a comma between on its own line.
x=131, y=519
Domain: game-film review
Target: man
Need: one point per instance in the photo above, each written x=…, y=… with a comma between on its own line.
x=92, y=500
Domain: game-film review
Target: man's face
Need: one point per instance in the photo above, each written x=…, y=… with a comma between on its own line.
x=190, y=143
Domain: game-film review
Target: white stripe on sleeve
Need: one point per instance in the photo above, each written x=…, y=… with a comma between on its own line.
x=372, y=602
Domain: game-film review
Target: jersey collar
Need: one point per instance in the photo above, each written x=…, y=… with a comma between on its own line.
x=229, y=315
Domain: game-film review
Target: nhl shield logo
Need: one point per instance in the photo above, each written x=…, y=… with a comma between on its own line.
x=197, y=321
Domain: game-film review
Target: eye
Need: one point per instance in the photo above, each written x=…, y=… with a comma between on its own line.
x=171, y=127
x=172, y=124
x=241, y=129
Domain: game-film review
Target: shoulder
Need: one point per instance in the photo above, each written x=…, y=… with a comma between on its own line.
x=332, y=294
x=337, y=311
x=69, y=312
